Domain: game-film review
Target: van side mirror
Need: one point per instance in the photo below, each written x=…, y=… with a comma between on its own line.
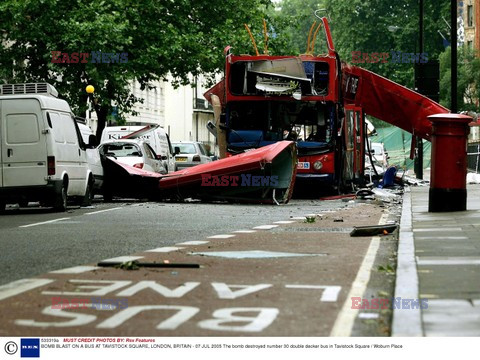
x=177, y=150
x=92, y=141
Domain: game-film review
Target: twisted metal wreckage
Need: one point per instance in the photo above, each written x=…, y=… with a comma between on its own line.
x=334, y=94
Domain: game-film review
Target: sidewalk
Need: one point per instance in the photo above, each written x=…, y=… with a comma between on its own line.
x=439, y=260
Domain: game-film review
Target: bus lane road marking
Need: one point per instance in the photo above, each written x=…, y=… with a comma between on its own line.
x=61, y=307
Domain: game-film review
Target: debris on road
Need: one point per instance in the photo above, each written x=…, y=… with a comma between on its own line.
x=405, y=179
x=135, y=265
x=310, y=219
x=373, y=230
x=473, y=178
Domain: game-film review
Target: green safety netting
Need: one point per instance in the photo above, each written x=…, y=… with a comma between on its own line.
x=397, y=143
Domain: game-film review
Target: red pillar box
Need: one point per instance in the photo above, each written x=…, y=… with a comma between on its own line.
x=449, y=163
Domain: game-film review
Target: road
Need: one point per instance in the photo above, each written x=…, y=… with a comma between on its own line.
x=312, y=268
x=36, y=240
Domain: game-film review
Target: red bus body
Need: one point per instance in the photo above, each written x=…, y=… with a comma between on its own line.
x=256, y=112
x=321, y=101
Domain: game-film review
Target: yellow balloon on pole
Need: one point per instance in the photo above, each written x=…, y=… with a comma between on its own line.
x=90, y=89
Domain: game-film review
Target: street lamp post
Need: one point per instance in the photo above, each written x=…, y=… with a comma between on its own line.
x=453, y=31
x=418, y=163
x=90, y=90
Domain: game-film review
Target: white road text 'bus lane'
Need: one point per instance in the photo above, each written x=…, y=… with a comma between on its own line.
x=221, y=318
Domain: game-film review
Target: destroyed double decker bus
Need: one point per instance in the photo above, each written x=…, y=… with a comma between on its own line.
x=278, y=118
x=264, y=99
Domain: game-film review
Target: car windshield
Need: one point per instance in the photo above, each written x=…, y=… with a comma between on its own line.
x=122, y=150
x=186, y=148
x=377, y=149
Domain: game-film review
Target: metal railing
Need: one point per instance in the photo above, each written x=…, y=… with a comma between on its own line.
x=473, y=157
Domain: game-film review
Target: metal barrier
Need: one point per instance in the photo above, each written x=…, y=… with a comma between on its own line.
x=473, y=157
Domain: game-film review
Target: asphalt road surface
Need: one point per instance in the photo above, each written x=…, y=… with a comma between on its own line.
x=35, y=240
x=263, y=270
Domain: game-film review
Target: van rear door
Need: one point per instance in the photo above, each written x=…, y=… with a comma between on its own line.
x=23, y=143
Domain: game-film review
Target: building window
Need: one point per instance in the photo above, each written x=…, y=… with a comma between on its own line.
x=470, y=15
x=470, y=44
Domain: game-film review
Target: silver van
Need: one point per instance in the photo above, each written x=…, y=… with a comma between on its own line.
x=42, y=154
x=154, y=135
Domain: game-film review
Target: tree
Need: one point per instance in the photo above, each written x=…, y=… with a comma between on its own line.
x=298, y=17
x=385, y=26
x=468, y=72
x=181, y=38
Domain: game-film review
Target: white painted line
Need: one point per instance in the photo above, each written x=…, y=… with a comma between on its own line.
x=344, y=322
x=123, y=259
x=221, y=236
x=428, y=296
x=368, y=316
x=244, y=231
x=20, y=286
x=75, y=270
x=44, y=222
x=193, y=243
x=437, y=229
x=406, y=323
x=284, y=222
x=346, y=318
x=165, y=249
x=330, y=293
x=256, y=254
x=102, y=211
x=441, y=237
x=448, y=261
x=265, y=227
x=299, y=218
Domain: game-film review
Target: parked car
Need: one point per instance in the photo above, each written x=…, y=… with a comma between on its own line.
x=379, y=154
x=43, y=157
x=136, y=153
x=190, y=153
x=154, y=135
x=93, y=156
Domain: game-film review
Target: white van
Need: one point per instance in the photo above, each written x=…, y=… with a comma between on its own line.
x=154, y=135
x=42, y=155
x=93, y=156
